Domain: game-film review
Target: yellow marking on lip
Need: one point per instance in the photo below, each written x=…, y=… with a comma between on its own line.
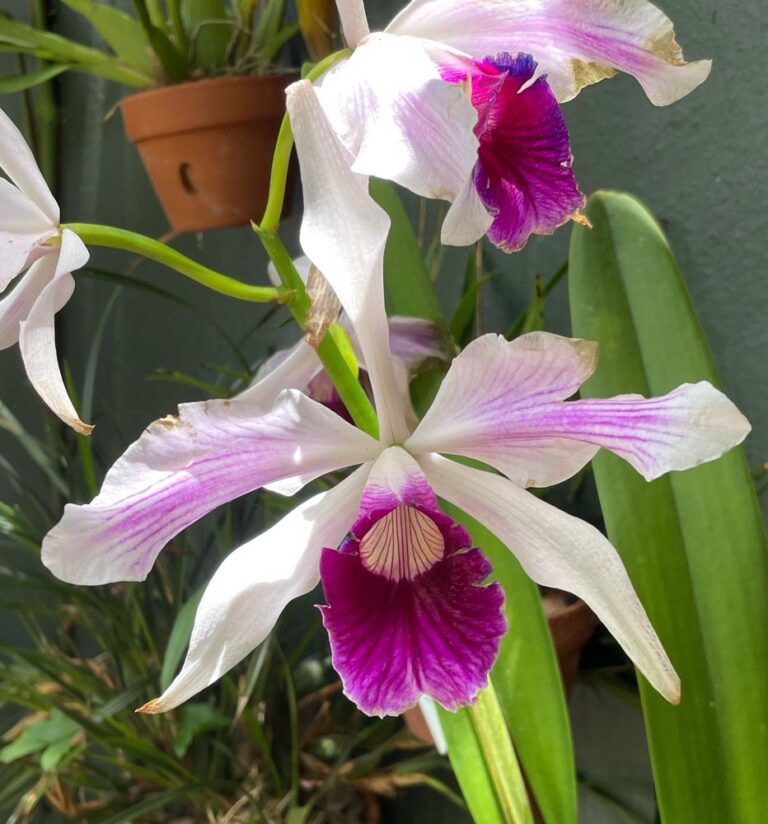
x=403, y=544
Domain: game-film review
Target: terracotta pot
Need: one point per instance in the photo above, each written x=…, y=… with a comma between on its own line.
x=571, y=626
x=207, y=146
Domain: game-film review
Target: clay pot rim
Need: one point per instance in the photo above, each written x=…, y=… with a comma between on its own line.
x=172, y=109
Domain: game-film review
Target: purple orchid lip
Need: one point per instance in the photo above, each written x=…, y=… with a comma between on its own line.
x=407, y=611
x=524, y=174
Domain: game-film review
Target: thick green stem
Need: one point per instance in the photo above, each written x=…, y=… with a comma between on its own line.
x=93, y=235
x=283, y=148
x=500, y=758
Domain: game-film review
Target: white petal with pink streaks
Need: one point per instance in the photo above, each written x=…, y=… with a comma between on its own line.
x=182, y=468
x=576, y=42
x=250, y=589
x=560, y=551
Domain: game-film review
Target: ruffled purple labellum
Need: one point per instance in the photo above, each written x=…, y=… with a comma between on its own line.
x=523, y=174
x=407, y=612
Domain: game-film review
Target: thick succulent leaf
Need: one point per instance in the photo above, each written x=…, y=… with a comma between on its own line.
x=693, y=541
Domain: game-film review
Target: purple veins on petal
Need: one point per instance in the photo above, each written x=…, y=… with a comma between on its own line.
x=407, y=611
x=524, y=172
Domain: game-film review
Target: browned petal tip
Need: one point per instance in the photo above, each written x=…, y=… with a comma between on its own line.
x=150, y=708
x=580, y=218
x=82, y=427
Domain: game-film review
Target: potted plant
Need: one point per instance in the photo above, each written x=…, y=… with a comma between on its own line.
x=207, y=97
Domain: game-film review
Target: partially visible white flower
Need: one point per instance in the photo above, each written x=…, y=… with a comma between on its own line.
x=32, y=241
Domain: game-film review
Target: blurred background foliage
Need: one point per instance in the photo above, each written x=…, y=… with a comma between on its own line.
x=277, y=735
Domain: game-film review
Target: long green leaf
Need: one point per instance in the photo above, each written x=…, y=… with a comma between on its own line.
x=485, y=763
x=21, y=82
x=120, y=31
x=26, y=39
x=179, y=638
x=528, y=684
x=693, y=542
x=407, y=283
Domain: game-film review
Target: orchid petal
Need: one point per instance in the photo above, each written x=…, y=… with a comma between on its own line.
x=250, y=589
x=576, y=42
x=416, y=341
x=400, y=120
x=18, y=162
x=354, y=23
x=16, y=307
x=432, y=720
x=24, y=227
x=290, y=368
x=344, y=233
x=407, y=611
x=524, y=176
x=501, y=403
x=302, y=264
x=182, y=468
x=560, y=551
x=488, y=396
x=37, y=337
x=467, y=220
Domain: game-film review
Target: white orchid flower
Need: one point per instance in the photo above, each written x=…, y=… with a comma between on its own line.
x=407, y=609
x=459, y=100
x=31, y=239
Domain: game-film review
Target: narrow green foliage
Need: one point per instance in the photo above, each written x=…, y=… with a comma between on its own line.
x=25, y=39
x=462, y=321
x=121, y=32
x=693, y=542
x=179, y=638
x=29, y=80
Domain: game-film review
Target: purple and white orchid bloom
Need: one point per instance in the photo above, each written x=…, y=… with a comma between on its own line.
x=459, y=100
x=32, y=241
x=408, y=608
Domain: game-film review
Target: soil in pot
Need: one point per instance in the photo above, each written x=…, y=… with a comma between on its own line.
x=207, y=146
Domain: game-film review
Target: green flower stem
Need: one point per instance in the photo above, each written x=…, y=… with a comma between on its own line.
x=112, y=238
x=500, y=758
x=337, y=366
x=283, y=148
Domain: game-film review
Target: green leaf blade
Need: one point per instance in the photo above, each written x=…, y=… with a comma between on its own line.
x=693, y=542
